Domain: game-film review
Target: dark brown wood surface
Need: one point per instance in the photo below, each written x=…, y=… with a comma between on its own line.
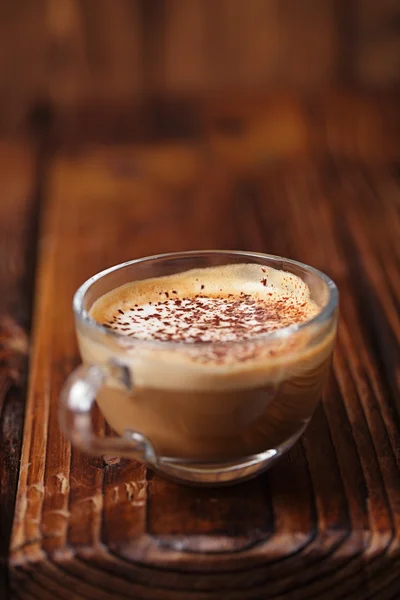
x=18, y=189
x=324, y=523
x=64, y=54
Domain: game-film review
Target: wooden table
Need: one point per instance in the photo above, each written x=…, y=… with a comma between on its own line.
x=318, y=182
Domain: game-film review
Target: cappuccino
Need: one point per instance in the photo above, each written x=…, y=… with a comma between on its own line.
x=222, y=366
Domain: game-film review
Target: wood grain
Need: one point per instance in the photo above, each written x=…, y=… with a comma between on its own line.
x=17, y=252
x=324, y=523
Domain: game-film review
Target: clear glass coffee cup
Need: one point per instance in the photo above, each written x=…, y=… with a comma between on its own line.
x=174, y=408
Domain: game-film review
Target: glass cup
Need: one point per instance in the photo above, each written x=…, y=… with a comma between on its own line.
x=194, y=419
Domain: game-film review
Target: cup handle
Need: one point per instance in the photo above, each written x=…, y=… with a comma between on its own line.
x=75, y=417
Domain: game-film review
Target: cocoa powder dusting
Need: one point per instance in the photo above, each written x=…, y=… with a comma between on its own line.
x=199, y=311
x=194, y=320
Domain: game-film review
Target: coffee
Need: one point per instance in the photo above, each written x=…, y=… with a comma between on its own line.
x=224, y=368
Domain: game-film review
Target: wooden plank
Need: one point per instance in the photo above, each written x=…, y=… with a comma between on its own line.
x=69, y=77
x=309, y=44
x=377, y=43
x=113, y=42
x=324, y=523
x=72, y=54
x=17, y=252
x=186, y=66
x=364, y=127
x=232, y=59
x=244, y=129
x=23, y=63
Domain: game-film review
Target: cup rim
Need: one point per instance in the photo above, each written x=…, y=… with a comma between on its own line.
x=323, y=315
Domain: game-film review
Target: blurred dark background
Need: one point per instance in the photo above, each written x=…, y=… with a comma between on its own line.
x=69, y=57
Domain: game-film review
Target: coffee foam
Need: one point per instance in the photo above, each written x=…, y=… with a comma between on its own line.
x=216, y=304
x=246, y=359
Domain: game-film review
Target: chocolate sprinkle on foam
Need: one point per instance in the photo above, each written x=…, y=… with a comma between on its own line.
x=218, y=304
x=212, y=319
